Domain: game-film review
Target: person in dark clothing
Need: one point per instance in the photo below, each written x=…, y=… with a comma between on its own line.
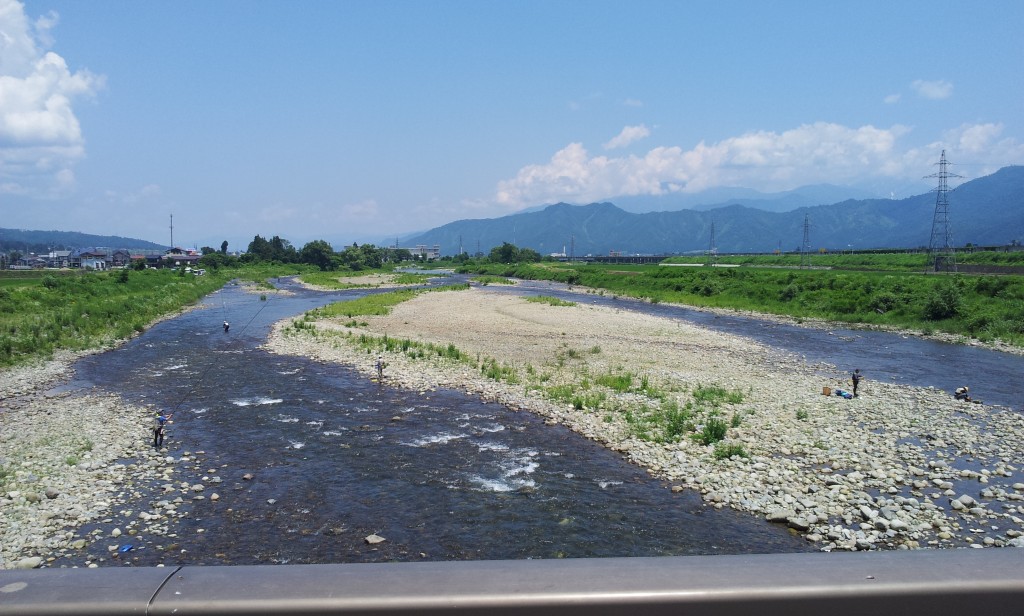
x=856, y=380
x=226, y=326
x=158, y=429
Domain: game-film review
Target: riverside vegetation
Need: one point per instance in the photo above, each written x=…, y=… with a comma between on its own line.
x=78, y=310
x=987, y=308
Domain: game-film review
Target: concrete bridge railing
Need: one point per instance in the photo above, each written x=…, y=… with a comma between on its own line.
x=932, y=582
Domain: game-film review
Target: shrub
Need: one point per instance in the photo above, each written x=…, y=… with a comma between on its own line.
x=789, y=293
x=944, y=302
x=677, y=421
x=883, y=302
x=713, y=431
x=724, y=451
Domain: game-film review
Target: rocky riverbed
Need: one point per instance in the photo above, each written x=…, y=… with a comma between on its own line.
x=72, y=461
x=895, y=468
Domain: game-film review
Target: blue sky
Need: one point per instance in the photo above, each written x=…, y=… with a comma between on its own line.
x=360, y=120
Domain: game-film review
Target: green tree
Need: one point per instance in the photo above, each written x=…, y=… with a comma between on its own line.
x=529, y=255
x=260, y=249
x=506, y=253
x=224, y=247
x=318, y=253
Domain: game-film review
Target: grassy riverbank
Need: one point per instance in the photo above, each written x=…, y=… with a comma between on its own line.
x=882, y=262
x=986, y=308
x=83, y=310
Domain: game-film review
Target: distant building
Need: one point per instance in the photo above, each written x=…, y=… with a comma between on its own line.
x=92, y=259
x=178, y=257
x=60, y=259
x=422, y=251
x=120, y=258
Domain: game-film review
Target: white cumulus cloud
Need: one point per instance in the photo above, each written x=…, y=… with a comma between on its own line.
x=934, y=90
x=628, y=135
x=40, y=137
x=770, y=161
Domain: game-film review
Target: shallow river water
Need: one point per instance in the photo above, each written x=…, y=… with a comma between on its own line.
x=336, y=457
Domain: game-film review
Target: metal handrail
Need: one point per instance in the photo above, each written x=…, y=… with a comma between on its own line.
x=933, y=582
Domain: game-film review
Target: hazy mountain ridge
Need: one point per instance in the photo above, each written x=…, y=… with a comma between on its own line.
x=804, y=196
x=987, y=211
x=26, y=240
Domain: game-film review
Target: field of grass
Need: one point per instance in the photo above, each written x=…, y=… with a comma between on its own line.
x=895, y=262
x=82, y=310
x=985, y=307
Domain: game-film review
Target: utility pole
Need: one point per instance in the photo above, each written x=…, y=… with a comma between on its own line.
x=941, y=253
x=572, y=248
x=805, y=248
x=712, y=249
x=460, y=243
x=172, y=230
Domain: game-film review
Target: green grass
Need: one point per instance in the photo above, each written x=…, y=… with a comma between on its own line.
x=551, y=301
x=713, y=430
x=77, y=310
x=377, y=304
x=335, y=279
x=982, y=307
x=724, y=451
x=716, y=396
x=617, y=382
x=486, y=280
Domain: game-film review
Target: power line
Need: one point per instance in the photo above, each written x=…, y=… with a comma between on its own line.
x=805, y=247
x=941, y=253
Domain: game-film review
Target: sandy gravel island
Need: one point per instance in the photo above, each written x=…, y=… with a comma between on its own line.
x=896, y=468
x=374, y=281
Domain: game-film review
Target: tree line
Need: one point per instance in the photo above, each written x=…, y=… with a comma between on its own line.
x=318, y=252
x=355, y=257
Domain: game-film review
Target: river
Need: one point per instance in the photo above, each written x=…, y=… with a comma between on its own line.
x=335, y=458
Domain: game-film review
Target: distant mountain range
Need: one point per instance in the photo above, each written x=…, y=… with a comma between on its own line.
x=714, y=198
x=985, y=211
x=43, y=241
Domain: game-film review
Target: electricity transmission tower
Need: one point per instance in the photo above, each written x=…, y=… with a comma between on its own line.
x=941, y=254
x=805, y=247
x=712, y=249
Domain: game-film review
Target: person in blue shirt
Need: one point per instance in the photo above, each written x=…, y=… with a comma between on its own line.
x=158, y=429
